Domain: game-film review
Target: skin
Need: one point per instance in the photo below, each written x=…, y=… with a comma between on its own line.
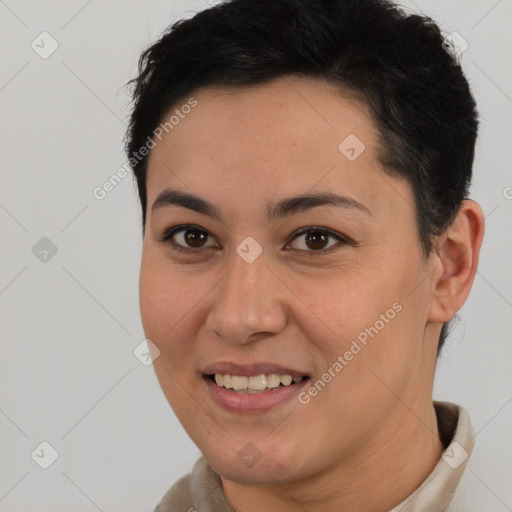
x=373, y=427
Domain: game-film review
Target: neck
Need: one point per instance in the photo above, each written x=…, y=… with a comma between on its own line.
x=378, y=477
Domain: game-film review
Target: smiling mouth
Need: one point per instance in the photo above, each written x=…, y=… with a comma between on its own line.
x=263, y=383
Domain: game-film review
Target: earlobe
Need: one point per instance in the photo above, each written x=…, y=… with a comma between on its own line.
x=457, y=251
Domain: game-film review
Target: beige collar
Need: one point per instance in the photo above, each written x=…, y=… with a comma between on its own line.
x=436, y=492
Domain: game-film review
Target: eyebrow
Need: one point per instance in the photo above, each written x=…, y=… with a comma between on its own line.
x=283, y=208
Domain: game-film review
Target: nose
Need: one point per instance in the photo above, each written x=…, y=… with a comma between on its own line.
x=249, y=303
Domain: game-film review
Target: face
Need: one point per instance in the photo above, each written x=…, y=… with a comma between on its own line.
x=336, y=294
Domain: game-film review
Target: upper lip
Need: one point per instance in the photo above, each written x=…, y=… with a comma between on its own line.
x=230, y=368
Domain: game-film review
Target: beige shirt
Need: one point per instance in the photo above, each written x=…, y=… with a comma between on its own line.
x=201, y=490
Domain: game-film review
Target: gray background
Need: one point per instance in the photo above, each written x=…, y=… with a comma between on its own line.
x=69, y=324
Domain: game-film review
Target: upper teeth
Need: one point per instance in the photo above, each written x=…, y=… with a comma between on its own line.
x=255, y=382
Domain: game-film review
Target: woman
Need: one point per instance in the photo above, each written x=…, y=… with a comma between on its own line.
x=303, y=170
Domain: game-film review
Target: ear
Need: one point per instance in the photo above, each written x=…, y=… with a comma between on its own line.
x=456, y=253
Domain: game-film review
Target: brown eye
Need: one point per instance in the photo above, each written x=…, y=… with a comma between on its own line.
x=186, y=238
x=317, y=240
x=194, y=237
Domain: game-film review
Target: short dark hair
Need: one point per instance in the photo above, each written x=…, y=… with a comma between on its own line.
x=396, y=62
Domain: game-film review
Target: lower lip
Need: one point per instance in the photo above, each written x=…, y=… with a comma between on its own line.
x=252, y=402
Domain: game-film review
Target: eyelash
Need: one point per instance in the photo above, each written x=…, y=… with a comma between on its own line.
x=166, y=238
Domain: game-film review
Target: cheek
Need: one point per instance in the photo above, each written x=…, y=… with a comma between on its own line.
x=160, y=306
x=169, y=304
x=344, y=306
x=369, y=318
x=151, y=298
x=163, y=308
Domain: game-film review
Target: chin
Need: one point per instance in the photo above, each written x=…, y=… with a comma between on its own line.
x=250, y=465
x=263, y=472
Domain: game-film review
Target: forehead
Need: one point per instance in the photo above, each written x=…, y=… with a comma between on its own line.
x=286, y=113
x=271, y=140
